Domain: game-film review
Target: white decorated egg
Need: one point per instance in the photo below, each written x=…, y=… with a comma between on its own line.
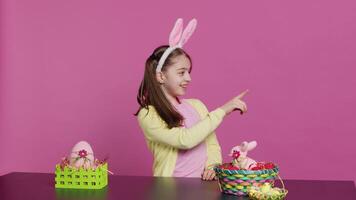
x=82, y=155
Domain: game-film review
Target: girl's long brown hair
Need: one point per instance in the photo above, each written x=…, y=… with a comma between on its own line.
x=150, y=92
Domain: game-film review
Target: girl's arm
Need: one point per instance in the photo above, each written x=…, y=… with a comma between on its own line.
x=155, y=129
x=213, y=151
x=212, y=143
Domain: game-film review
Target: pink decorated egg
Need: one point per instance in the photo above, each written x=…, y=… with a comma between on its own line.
x=82, y=155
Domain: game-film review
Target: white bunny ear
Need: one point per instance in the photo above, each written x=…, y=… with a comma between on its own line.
x=188, y=31
x=243, y=146
x=176, y=33
x=251, y=145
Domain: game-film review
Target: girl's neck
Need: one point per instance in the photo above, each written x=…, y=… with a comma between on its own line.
x=174, y=100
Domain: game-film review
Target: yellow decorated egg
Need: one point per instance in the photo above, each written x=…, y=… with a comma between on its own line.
x=266, y=188
x=275, y=192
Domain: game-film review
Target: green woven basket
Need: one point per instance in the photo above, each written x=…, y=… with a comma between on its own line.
x=238, y=182
x=81, y=178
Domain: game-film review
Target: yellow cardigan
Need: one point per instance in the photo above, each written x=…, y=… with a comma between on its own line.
x=164, y=143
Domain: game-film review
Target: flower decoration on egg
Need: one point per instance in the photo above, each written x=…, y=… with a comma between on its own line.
x=82, y=153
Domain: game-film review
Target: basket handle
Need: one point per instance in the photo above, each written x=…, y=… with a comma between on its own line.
x=280, y=179
x=219, y=183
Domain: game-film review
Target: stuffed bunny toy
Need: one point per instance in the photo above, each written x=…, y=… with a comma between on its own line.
x=239, y=153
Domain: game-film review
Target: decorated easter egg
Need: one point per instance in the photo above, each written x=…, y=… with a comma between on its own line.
x=275, y=192
x=82, y=155
x=253, y=190
x=265, y=188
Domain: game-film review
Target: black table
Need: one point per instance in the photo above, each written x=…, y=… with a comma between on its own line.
x=40, y=186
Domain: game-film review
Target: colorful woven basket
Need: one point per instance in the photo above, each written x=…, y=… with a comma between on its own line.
x=81, y=178
x=238, y=182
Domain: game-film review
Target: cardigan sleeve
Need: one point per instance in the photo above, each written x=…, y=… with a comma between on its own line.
x=212, y=143
x=155, y=129
x=213, y=151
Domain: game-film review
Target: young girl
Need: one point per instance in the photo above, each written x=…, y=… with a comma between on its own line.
x=179, y=132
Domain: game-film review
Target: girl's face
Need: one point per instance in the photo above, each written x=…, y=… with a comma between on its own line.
x=175, y=79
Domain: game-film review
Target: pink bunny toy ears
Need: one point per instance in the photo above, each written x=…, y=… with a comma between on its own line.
x=177, y=39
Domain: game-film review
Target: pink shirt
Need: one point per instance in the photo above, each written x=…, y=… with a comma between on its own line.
x=191, y=162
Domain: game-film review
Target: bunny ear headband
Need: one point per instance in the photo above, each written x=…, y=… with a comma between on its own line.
x=177, y=39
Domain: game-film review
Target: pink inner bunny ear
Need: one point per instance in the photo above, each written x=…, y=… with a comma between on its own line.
x=176, y=32
x=188, y=31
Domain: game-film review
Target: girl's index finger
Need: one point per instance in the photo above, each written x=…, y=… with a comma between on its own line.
x=242, y=94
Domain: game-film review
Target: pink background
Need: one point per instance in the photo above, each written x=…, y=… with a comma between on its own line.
x=70, y=71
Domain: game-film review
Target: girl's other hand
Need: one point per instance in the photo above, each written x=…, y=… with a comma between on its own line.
x=208, y=175
x=236, y=104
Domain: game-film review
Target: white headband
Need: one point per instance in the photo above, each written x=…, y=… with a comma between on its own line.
x=177, y=39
